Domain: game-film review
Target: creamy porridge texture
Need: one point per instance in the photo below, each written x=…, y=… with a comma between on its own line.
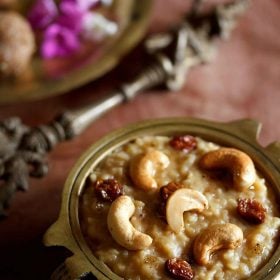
x=160, y=207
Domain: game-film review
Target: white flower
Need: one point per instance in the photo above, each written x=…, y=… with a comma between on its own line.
x=96, y=27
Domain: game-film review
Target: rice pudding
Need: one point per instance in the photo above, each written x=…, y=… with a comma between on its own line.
x=161, y=207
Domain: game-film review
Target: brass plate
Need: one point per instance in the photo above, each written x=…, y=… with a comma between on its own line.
x=240, y=134
x=46, y=78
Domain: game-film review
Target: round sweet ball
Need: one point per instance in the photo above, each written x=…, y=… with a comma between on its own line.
x=17, y=43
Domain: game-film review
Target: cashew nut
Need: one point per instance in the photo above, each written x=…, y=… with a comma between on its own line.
x=214, y=238
x=239, y=163
x=180, y=201
x=120, y=227
x=144, y=167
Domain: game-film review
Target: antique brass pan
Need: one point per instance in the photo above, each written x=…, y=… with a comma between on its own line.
x=241, y=134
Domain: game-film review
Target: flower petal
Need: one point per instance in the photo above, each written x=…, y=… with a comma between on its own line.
x=71, y=15
x=96, y=27
x=42, y=13
x=88, y=4
x=84, y=5
x=59, y=41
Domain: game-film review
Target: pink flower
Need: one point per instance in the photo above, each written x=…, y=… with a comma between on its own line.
x=62, y=25
x=84, y=5
x=42, y=13
x=59, y=41
x=71, y=15
x=87, y=4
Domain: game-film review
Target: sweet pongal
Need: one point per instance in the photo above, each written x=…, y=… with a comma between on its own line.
x=180, y=207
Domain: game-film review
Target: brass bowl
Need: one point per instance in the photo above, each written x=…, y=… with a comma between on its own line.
x=46, y=78
x=241, y=134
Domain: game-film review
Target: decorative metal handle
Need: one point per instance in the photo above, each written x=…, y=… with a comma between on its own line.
x=76, y=121
x=23, y=150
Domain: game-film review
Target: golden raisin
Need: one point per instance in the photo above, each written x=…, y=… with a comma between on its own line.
x=251, y=210
x=108, y=189
x=179, y=269
x=184, y=143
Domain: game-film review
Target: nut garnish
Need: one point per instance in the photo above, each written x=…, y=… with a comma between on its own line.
x=237, y=162
x=118, y=221
x=180, y=201
x=144, y=167
x=214, y=238
x=164, y=192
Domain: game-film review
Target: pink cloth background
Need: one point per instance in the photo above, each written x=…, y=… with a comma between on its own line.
x=242, y=82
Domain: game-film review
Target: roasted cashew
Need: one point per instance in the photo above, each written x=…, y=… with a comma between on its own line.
x=239, y=163
x=214, y=238
x=120, y=227
x=180, y=201
x=144, y=167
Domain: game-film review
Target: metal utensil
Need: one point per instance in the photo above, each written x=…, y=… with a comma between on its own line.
x=23, y=149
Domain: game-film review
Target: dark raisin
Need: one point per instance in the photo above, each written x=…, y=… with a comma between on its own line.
x=167, y=190
x=179, y=269
x=184, y=143
x=107, y=190
x=161, y=209
x=251, y=210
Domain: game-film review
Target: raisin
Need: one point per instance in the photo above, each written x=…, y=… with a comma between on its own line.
x=161, y=208
x=107, y=190
x=179, y=269
x=167, y=190
x=251, y=210
x=184, y=143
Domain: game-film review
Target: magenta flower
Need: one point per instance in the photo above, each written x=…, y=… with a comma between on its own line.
x=84, y=5
x=65, y=25
x=59, y=41
x=42, y=13
x=71, y=15
x=87, y=4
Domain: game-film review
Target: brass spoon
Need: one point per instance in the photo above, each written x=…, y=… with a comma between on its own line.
x=23, y=150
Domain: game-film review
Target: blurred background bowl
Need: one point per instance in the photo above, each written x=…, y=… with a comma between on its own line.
x=50, y=77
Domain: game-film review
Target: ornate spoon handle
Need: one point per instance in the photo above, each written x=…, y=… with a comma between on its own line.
x=23, y=149
x=72, y=123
